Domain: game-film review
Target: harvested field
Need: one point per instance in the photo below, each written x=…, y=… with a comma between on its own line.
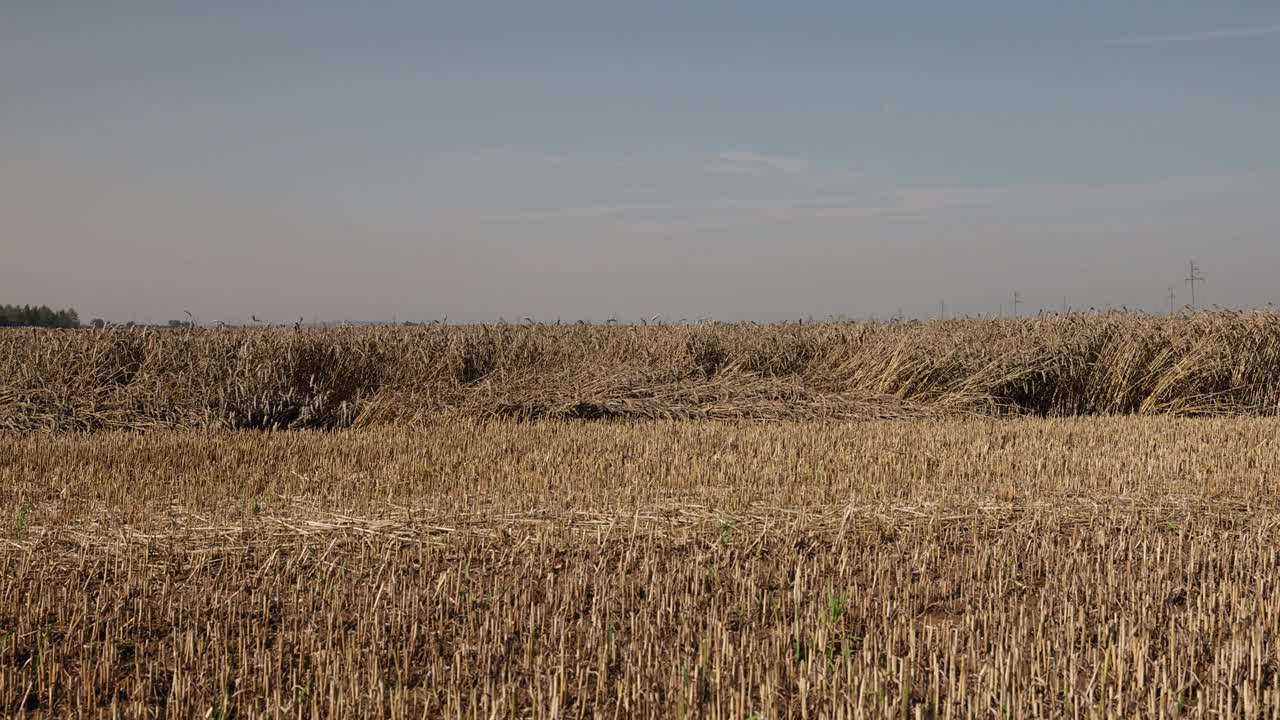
x=964, y=567
x=285, y=378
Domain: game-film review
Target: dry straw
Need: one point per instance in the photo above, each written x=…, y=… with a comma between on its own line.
x=281, y=378
x=1108, y=567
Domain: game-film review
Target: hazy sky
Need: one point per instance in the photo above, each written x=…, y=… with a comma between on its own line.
x=730, y=159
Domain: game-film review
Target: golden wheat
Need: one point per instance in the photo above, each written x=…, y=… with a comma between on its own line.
x=1103, y=567
x=1080, y=364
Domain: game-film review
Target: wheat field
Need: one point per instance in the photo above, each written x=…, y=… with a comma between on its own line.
x=1063, y=516
x=953, y=567
x=1201, y=363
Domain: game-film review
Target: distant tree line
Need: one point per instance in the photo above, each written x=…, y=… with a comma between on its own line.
x=41, y=316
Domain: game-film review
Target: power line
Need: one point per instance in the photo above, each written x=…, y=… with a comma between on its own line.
x=1192, y=278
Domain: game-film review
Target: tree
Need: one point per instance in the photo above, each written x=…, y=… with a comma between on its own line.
x=38, y=316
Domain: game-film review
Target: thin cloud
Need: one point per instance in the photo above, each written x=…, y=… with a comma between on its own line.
x=582, y=212
x=789, y=174
x=742, y=162
x=486, y=153
x=795, y=189
x=702, y=213
x=554, y=159
x=1202, y=36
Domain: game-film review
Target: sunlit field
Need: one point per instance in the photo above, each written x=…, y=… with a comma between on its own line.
x=964, y=567
x=1201, y=363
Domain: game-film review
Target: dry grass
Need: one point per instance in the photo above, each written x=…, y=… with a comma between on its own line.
x=1082, y=364
x=1119, y=567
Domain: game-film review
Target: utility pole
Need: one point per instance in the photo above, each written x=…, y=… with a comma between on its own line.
x=942, y=309
x=1170, y=300
x=1016, y=300
x=1194, y=277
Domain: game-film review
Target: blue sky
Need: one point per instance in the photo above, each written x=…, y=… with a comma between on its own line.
x=735, y=160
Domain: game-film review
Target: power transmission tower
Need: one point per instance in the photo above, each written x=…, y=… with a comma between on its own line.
x=1194, y=277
